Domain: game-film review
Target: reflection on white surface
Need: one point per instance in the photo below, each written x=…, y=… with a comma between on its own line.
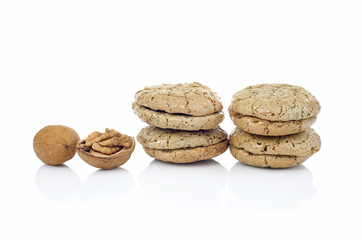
x=182, y=186
x=107, y=186
x=258, y=189
x=58, y=183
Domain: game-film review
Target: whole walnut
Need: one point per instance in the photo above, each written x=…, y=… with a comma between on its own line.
x=55, y=144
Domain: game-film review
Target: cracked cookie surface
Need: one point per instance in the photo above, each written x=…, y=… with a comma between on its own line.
x=177, y=121
x=188, y=155
x=263, y=127
x=190, y=98
x=301, y=144
x=266, y=161
x=157, y=138
x=275, y=102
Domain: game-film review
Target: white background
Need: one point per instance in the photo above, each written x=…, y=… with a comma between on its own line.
x=79, y=63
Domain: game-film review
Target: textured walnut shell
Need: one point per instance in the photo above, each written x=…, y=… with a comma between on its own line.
x=55, y=144
x=106, y=161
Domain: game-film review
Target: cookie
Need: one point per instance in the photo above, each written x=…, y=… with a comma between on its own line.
x=177, y=121
x=192, y=99
x=270, y=128
x=274, y=152
x=182, y=146
x=301, y=144
x=188, y=155
x=264, y=160
x=274, y=109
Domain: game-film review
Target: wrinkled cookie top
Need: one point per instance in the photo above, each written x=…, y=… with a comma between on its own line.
x=301, y=144
x=156, y=138
x=275, y=102
x=189, y=98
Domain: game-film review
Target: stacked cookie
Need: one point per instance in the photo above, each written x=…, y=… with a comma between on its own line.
x=183, y=119
x=273, y=125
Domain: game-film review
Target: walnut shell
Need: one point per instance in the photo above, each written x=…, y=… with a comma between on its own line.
x=55, y=144
x=104, y=161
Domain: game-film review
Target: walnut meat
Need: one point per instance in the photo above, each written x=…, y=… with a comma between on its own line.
x=106, y=150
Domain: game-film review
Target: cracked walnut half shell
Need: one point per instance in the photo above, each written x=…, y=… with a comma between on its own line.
x=106, y=150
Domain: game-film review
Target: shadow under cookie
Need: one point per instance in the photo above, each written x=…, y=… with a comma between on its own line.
x=185, y=187
x=259, y=191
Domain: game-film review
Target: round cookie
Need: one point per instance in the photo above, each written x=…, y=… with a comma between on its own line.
x=270, y=128
x=274, y=152
x=188, y=155
x=177, y=121
x=183, y=146
x=275, y=102
x=301, y=144
x=264, y=160
x=274, y=109
x=157, y=138
x=192, y=99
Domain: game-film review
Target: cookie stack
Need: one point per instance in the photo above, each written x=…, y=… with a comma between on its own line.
x=183, y=119
x=273, y=125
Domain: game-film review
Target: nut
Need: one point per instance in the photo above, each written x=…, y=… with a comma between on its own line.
x=106, y=150
x=55, y=144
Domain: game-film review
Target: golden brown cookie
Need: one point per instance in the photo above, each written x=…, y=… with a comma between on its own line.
x=274, y=109
x=183, y=146
x=276, y=102
x=270, y=128
x=177, y=121
x=301, y=144
x=275, y=152
x=192, y=99
x=264, y=160
x=188, y=155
